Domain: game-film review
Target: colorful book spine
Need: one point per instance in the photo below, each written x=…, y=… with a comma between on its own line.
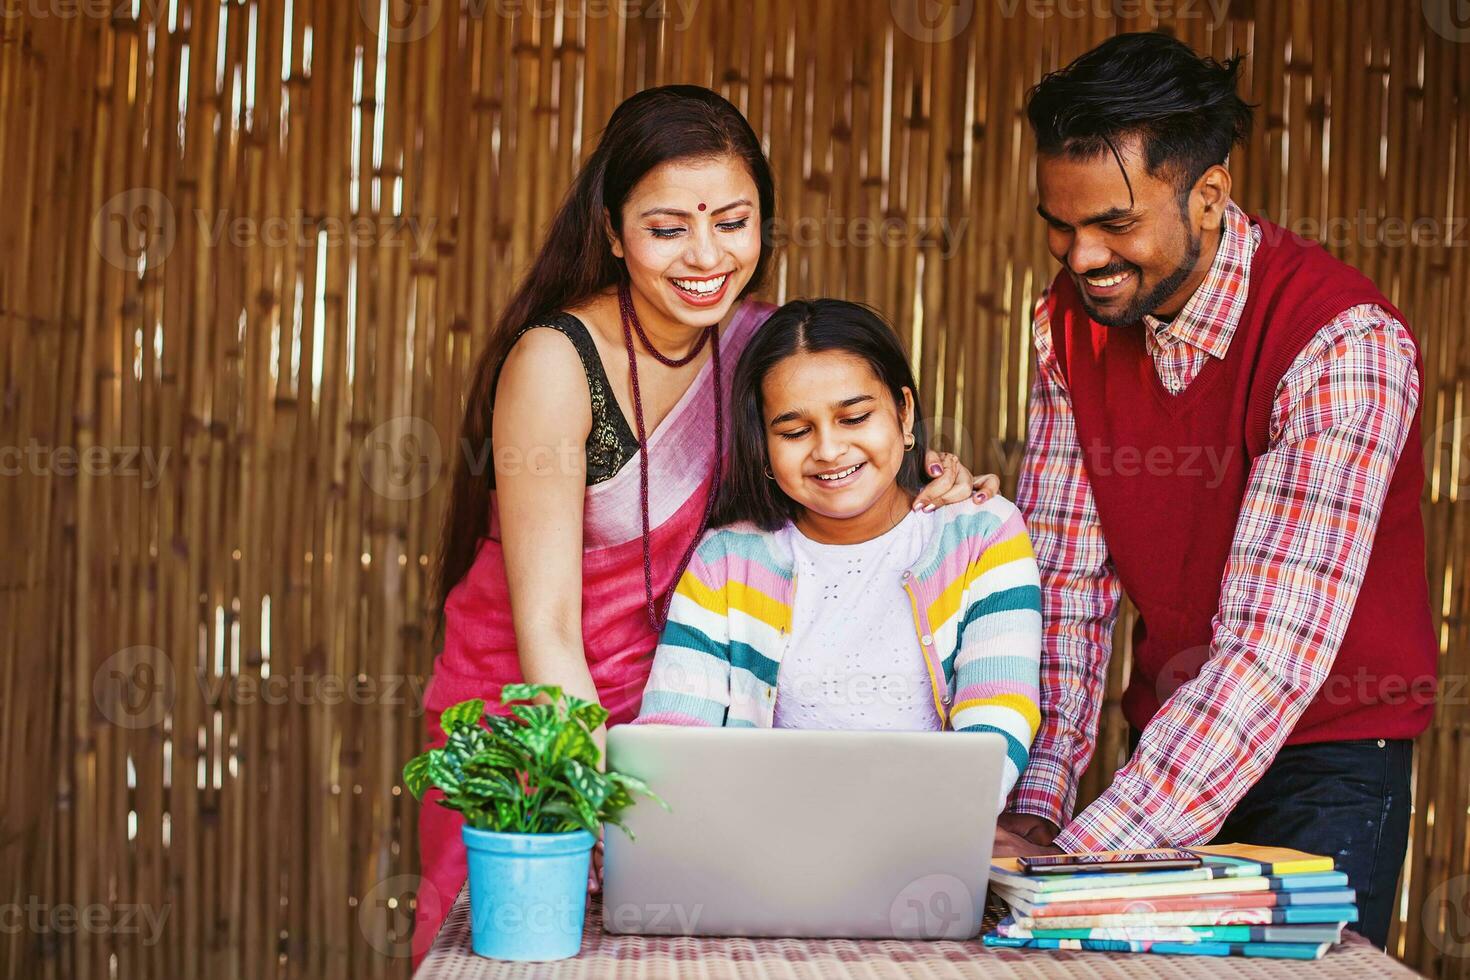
x=1182, y=903
x=1284, y=884
x=1197, y=917
x=1289, y=951
x=1324, y=933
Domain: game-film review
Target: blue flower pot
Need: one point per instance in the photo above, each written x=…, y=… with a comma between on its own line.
x=528, y=893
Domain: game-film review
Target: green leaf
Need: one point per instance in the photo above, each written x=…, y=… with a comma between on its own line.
x=416, y=775
x=590, y=715
x=528, y=692
x=492, y=758
x=587, y=783
x=503, y=727
x=562, y=817
x=572, y=743
x=488, y=787
x=466, y=742
x=634, y=785
x=443, y=772
x=508, y=818
x=462, y=715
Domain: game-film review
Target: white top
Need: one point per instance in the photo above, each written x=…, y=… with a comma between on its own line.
x=854, y=660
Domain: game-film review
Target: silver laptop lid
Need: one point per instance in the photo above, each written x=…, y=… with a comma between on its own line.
x=778, y=832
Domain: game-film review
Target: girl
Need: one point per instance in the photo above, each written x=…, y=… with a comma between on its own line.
x=605, y=375
x=822, y=599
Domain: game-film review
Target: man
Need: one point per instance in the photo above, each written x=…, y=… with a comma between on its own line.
x=1224, y=425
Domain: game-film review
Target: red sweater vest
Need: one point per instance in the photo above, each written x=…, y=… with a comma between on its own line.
x=1169, y=473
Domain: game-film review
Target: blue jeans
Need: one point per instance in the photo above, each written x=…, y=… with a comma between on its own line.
x=1346, y=799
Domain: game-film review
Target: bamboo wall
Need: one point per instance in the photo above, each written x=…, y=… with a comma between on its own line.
x=250, y=250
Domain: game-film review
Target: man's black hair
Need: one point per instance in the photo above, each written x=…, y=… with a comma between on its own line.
x=1182, y=106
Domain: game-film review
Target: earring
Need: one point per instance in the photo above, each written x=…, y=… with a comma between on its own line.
x=908, y=440
x=769, y=474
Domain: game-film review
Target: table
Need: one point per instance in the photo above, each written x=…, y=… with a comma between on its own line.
x=606, y=956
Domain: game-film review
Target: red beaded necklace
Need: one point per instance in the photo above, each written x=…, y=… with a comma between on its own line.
x=656, y=618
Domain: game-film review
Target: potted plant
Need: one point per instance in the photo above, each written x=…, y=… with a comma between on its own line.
x=533, y=801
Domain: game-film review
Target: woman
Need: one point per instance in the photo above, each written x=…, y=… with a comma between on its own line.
x=602, y=424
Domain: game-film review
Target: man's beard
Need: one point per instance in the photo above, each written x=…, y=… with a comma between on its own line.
x=1144, y=302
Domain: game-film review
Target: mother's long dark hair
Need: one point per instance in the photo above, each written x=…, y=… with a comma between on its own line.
x=654, y=127
x=806, y=326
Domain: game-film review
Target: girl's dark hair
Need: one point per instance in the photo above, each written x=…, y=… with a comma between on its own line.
x=651, y=128
x=805, y=326
x=1150, y=85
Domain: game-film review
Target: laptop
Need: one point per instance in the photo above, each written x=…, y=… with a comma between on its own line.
x=781, y=832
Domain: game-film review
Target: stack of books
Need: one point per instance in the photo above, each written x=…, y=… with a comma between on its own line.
x=1243, y=900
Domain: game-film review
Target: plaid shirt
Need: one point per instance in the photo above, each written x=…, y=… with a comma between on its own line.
x=1338, y=424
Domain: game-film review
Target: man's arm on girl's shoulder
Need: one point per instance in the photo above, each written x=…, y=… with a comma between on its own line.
x=690, y=680
x=997, y=665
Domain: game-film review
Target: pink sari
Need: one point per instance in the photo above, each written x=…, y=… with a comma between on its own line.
x=479, y=653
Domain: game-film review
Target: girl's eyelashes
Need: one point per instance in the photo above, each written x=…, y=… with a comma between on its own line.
x=802, y=432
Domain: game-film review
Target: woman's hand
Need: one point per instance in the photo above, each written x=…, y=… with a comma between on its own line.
x=951, y=483
x=594, y=870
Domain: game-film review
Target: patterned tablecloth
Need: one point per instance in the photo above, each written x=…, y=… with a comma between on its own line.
x=605, y=956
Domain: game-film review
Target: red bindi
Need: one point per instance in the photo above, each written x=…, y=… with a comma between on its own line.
x=701, y=206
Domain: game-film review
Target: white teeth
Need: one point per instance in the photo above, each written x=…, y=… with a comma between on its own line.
x=1108, y=280
x=838, y=476
x=702, y=286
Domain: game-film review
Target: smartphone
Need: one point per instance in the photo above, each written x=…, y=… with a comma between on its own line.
x=1069, y=864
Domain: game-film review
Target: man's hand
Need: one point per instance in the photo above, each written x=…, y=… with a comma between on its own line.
x=1037, y=830
x=1008, y=844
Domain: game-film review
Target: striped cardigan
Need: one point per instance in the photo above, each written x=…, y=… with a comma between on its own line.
x=975, y=597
